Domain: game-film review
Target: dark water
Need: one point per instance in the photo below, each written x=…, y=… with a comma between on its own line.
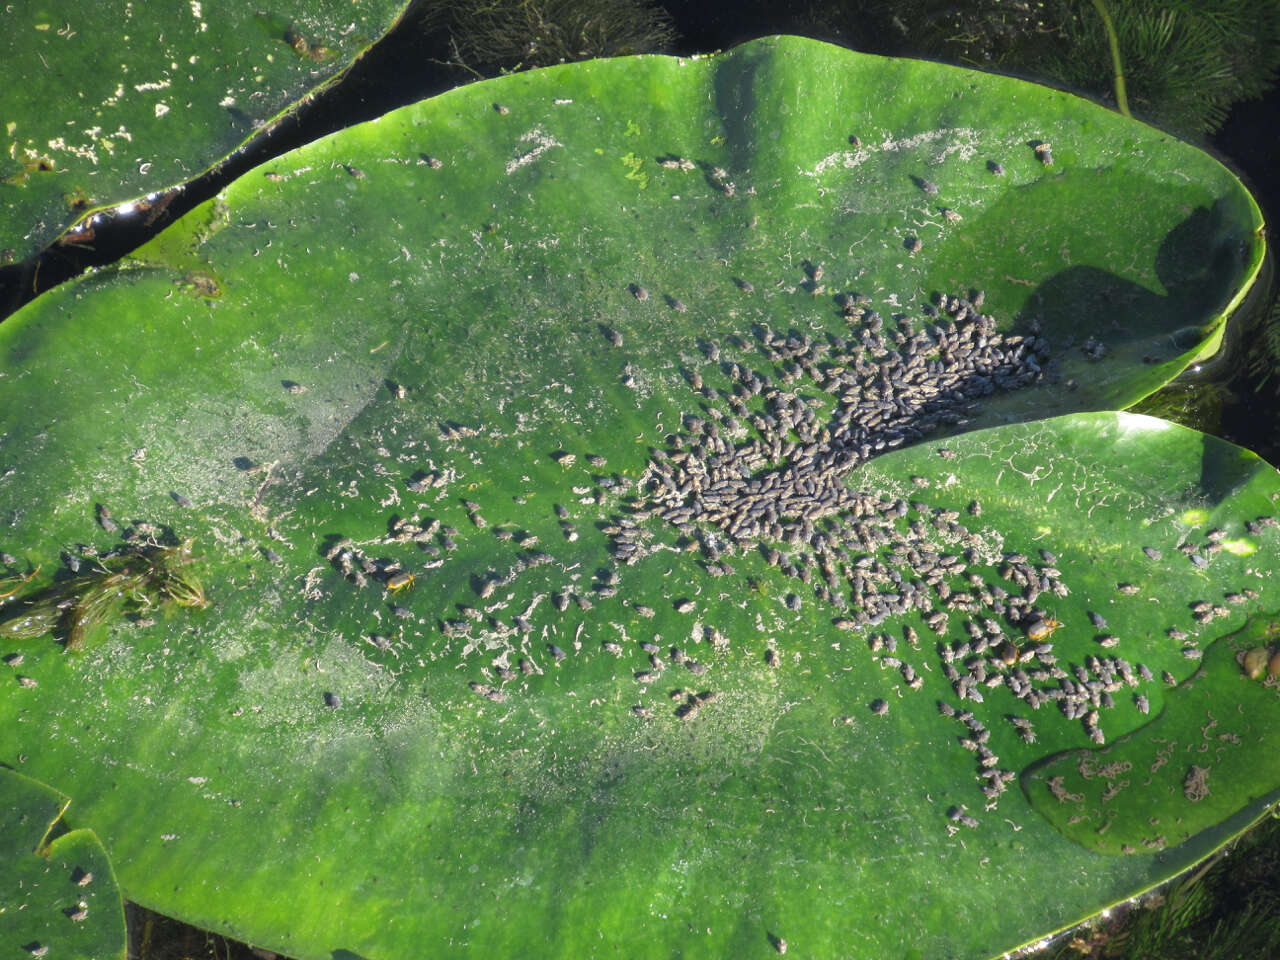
x=1251, y=375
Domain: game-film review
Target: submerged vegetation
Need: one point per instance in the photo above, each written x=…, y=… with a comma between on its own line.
x=135, y=579
x=490, y=36
x=1183, y=64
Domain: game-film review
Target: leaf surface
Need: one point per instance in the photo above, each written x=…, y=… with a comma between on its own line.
x=115, y=102
x=441, y=307
x=58, y=895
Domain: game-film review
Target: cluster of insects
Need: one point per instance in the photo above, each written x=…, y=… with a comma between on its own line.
x=770, y=463
x=764, y=467
x=77, y=913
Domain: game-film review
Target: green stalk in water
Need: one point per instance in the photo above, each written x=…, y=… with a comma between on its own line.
x=1122, y=100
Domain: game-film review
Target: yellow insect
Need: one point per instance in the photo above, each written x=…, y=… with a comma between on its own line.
x=400, y=581
x=1042, y=629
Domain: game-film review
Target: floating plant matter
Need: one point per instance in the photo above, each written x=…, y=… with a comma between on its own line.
x=136, y=578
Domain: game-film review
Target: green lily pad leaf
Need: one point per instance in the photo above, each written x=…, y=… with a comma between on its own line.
x=1181, y=784
x=109, y=103
x=414, y=391
x=1158, y=580
x=58, y=896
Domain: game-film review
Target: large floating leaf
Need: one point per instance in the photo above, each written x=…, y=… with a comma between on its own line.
x=445, y=306
x=108, y=102
x=1189, y=769
x=58, y=896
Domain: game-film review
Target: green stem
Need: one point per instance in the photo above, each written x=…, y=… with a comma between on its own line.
x=1122, y=101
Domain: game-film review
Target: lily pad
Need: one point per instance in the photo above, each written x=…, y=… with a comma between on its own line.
x=404, y=387
x=1196, y=765
x=115, y=102
x=58, y=896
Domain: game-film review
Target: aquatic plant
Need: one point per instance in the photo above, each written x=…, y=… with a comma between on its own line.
x=637, y=497
x=1178, y=65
